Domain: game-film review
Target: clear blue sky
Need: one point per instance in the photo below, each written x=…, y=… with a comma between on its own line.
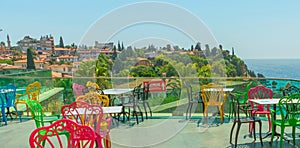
x=256, y=29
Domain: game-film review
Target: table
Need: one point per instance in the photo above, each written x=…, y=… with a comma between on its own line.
x=118, y=92
x=273, y=102
x=106, y=110
x=224, y=89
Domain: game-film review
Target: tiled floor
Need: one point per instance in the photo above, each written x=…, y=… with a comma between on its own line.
x=157, y=132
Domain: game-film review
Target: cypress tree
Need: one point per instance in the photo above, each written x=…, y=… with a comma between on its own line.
x=119, y=46
x=61, y=42
x=30, y=62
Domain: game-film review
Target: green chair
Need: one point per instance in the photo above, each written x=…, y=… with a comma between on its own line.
x=242, y=96
x=38, y=115
x=288, y=107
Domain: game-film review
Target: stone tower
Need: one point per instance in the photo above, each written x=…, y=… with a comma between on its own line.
x=8, y=42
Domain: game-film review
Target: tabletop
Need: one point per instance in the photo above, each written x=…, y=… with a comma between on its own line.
x=9, y=90
x=224, y=89
x=106, y=110
x=117, y=91
x=270, y=101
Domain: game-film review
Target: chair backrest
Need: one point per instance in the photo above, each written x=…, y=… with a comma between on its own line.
x=239, y=109
x=94, y=98
x=33, y=91
x=84, y=113
x=290, y=90
x=189, y=90
x=260, y=92
x=213, y=93
x=8, y=95
x=78, y=89
x=289, y=109
x=48, y=136
x=36, y=112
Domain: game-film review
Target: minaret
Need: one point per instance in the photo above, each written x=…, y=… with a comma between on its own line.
x=8, y=42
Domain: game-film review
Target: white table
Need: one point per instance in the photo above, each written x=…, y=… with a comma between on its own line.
x=106, y=110
x=117, y=91
x=224, y=89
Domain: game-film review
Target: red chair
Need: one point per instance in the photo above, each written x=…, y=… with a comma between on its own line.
x=78, y=89
x=260, y=92
x=48, y=136
x=90, y=115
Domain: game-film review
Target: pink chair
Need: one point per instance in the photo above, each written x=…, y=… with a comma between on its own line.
x=91, y=115
x=78, y=89
x=48, y=136
x=260, y=92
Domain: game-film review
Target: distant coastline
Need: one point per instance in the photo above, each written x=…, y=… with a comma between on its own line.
x=275, y=68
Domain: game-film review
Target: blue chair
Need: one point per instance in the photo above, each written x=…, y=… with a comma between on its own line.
x=8, y=98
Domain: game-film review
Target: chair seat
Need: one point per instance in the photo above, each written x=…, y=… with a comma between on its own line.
x=286, y=123
x=214, y=104
x=248, y=119
x=261, y=112
x=48, y=119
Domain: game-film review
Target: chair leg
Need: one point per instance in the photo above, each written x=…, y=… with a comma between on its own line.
x=145, y=109
x=254, y=132
x=18, y=113
x=260, y=137
x=187, y=111
x=190, y=112
x=237, y=134
x=149, y=108
x=230, y=140
x=281, y=135
x=273, y=134
x=293, y=133
x=270, y=122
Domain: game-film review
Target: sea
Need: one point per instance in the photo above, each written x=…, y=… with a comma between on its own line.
x=275, y=68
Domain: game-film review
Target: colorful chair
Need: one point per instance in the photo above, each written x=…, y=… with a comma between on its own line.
x=260, y=92
x=90, y=115
x=242, y=97
x=48, y=136
x=38, y=115
x=193, y=98
x=78, y=89
x=241, y=115
x=213, y=95
x=33, y=93
x=7, y=100
x=288, y=107
x=142, y=94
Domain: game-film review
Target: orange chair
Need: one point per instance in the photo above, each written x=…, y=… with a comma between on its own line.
x=213, y=95
x=33, y=93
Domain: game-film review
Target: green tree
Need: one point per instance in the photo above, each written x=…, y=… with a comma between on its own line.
x=30, y=62
x=114, y=56
x=103, y=66
x=61, y=42
x=119, y=46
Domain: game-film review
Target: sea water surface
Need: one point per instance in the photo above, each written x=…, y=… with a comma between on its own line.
x=289, y=69
x=275, y=68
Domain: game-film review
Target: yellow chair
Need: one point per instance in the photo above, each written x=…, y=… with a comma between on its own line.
x=103, y=100
x=33, y=93
x=213, y=95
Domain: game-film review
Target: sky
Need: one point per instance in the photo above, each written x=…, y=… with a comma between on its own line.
x=256, y=29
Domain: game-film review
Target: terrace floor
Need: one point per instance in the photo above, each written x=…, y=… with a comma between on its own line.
x=159, y=131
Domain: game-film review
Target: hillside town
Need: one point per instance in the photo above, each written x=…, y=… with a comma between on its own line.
x=64, y=60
